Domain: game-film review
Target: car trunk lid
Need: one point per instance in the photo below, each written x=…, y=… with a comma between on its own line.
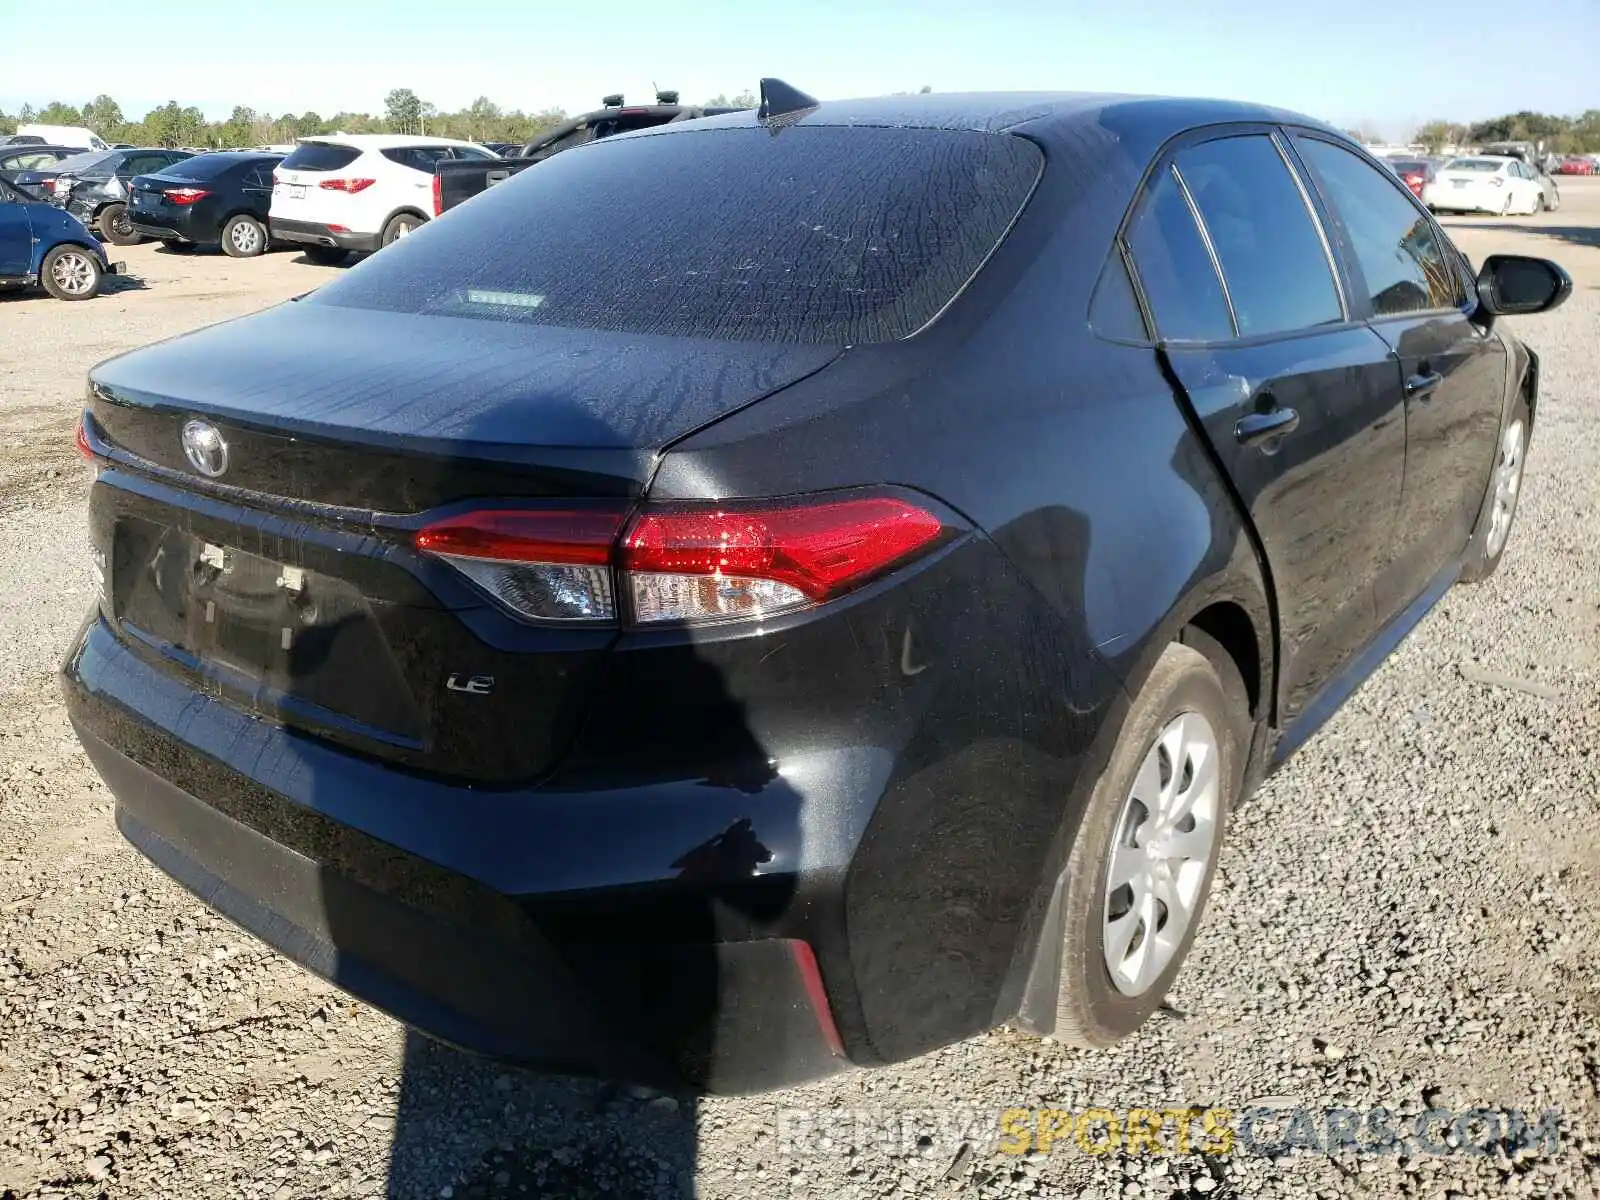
x=280, y=572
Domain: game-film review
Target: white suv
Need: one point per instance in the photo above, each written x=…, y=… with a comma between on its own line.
x=344, y=192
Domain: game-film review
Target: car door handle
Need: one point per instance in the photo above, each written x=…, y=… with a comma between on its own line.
x=1258, y=428
x=1421, y=387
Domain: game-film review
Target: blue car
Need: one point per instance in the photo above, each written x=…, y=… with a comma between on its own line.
x=41, y=244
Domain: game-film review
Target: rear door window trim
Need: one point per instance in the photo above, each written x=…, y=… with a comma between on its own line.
x=1166, y=159
x=1468, y=303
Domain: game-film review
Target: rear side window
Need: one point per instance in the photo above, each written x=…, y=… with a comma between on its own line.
x=418, y=158
x=1272, y=257
x=1180, y=283
x=32, y=162
x=320, y=156
x=1406, y=268
x=147, y=164
x=93, y=160
x=1114, y=310
x=817, y=235
x=574, y=137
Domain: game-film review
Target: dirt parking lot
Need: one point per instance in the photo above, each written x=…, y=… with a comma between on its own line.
x=1407, y=916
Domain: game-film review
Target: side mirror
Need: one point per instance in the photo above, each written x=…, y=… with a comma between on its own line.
x=1514, y=285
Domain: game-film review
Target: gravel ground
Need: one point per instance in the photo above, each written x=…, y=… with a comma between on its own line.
x=1405, y=916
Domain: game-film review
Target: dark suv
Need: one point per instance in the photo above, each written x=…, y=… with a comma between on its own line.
x=811, y=618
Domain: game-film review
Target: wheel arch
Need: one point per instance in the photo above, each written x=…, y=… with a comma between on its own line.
x=404, y=210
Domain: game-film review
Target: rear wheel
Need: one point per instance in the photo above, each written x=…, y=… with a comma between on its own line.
x=244, y=237
x=326, y=256
x=1142, y=862
x=400, y=225
x=71, y=273
x=116, y=227
x=1505, y=489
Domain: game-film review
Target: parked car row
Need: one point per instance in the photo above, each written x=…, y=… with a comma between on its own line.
x=1497, y=181
x=1578, y=164
x=1494, y=184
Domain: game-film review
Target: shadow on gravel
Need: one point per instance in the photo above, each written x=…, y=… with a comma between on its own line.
x=115, y=285
x=482, y=1130
x=1578, y=235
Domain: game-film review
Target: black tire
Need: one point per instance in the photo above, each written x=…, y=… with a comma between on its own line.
x=84, y=265
x=244, y=237
x=399, y=225
x=325, y=256
x=1485, y=551
x=114, y=226
x=1091, y=1011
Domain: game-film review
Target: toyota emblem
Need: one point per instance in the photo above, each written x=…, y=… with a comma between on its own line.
x=204, y=448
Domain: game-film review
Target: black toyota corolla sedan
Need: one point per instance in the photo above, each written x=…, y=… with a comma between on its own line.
x=217, y=199
x=809, y=621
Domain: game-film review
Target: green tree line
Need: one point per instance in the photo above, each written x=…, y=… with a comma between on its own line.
x=1560, y=135
x=173, y=124
x=404, y=111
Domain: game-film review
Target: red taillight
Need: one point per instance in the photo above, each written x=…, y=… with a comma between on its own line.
x=80, y=439
x=709, y=564
x=682, y=564
x=438, y=197
x=805, y=964
x=352, y=186
x=550, y=566
x=579, y=537
x=185, y=195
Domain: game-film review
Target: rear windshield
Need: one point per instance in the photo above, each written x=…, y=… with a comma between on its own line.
x=209, y=166
x=86, y=162
x=1475, y=164
x=816, y=235
x=319, y=156
x=1408, y=164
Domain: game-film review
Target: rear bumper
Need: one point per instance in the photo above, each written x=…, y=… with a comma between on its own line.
x=311, y=233
x=1471, y=200
x=533, y=927
x=186, y=226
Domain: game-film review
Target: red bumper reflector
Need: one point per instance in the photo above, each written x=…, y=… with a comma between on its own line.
x=805, y=962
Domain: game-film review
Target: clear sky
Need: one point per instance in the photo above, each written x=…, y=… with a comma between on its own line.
x=1386, y=63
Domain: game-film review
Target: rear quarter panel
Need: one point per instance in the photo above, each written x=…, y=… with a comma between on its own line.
x=1074, y=459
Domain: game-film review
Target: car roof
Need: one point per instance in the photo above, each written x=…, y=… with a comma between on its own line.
x=35, y=148
x=381, y=141
x=239, y=154
x=1151, y=119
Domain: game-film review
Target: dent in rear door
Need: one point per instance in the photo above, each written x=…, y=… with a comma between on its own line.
x=1323, y=497
x=1454, y=378
x=1301, y=406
